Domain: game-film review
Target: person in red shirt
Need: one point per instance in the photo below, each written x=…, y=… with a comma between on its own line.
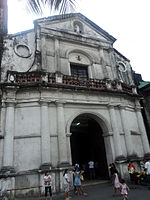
x=132, y=173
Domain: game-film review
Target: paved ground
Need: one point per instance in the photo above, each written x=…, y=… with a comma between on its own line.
x=104, y=191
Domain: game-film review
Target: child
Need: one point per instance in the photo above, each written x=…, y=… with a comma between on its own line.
x=116, y=182
x=124, y=189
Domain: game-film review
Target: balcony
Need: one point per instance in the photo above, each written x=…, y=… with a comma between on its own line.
x=56, y=80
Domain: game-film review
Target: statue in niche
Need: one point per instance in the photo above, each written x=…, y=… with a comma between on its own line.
x=77, y=28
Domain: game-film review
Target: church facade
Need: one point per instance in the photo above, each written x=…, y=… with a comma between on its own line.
x=67, y=96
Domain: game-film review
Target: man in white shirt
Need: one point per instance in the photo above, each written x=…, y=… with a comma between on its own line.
x=91, y=169
x=147, y=168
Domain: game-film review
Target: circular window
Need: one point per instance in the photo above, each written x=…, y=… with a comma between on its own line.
x=22, y=50
x=122, y=67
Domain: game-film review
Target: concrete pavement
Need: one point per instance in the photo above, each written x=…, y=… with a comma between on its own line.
x=102, y=190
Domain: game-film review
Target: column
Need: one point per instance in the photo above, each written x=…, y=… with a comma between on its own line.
x=142, y=131
x=128, y=139
x=9, y=137
x=45, y=136
x=61, y=135
x=116, y=135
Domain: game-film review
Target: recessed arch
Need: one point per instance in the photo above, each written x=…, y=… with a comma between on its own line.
x=101, y=120
x=88, y=143
x=79, y=51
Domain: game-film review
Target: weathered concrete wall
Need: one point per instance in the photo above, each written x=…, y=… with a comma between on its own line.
x=58, y=48
x=19, y=53
x=28, y=119
x=36, y=119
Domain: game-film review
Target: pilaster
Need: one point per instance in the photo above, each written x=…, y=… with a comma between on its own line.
x=45, y=135
x=57, y=56
x=128, y=139
x=101, y=53
x=9, y=137
x=142, y=131
x=69, y=148
x=43, y=52
x=62, y=141
x=116, y=135
x=113, y=63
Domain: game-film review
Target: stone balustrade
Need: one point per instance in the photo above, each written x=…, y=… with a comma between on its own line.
x=26, y=78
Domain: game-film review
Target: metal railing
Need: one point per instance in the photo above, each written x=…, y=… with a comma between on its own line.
x=24, y=188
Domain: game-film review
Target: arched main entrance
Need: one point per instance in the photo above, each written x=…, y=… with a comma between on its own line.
x=87, y=143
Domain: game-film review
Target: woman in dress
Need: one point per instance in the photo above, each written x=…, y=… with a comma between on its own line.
x=77, y=183
x=112, y=169
x=116, y=182
x=66, y=184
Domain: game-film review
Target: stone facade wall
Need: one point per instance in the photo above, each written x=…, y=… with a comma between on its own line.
x=40, y=100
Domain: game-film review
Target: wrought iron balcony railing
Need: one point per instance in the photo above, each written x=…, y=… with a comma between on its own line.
x=57, y=79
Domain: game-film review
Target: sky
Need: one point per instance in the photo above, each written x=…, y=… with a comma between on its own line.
x=126, y=20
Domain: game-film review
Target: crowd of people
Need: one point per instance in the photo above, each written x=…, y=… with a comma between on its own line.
x=121, y=186
x=135, y=178
x=77, y=182
x=118, y=183
x=142, y=177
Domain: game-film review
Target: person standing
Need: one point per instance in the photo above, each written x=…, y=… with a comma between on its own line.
x=131, y=170
x=66, y=184
x=124, y=189
x=91, y=169
x=112, y=169
x=77, y=182
x=48, y=184
x=116, y=182
x=147, y=169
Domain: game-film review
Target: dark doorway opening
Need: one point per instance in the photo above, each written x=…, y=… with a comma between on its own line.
x=87, y=144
